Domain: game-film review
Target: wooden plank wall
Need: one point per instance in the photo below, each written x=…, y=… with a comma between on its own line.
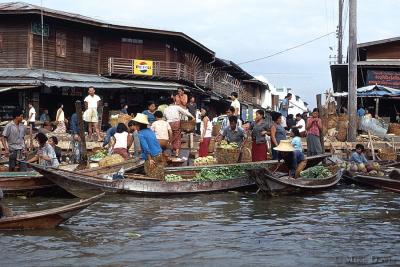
x=384, y=51
x=14, y=36
x=75, y=60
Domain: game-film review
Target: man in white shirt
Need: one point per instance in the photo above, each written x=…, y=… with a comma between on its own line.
x=236, y=104
x=300, y=124
x=90, y=115
x=31, y=115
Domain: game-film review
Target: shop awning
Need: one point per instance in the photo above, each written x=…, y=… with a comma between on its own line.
x=150, y=85
x=9, y=88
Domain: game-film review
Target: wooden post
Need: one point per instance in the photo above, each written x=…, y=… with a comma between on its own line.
x=320, y=111
x=340, y=33
x=78, y=108
x=376, y=107
x=352, y=99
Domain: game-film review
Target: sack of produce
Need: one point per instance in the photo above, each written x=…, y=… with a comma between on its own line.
x=387, y=154
x=211, y=146
x=111, y=160
x=227, y=153
x=124, y=118
x=157, y=170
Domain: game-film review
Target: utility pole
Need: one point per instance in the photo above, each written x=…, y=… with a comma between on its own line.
x=340, y=33
x=352, y=98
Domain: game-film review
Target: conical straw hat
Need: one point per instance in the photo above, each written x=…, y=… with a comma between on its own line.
x=141, y=118
x=285, y=146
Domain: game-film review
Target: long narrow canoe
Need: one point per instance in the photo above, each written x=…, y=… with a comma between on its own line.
x=390, y=183
x=83, y=185
x=46, y=219
x=33, y=183
x=274, y=185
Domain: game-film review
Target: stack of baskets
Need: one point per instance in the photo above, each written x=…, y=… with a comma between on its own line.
x=342, y=127
x=227, y=156
x=188, y=126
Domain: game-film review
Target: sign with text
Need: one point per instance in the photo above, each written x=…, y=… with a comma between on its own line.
x=143, y=67
x=384, y=78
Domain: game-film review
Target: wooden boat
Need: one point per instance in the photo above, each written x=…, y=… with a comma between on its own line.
x=30, y=183
x=33, y=183
x=46, y=219
x=83, y=185
x=281, y=184
x=390, y=181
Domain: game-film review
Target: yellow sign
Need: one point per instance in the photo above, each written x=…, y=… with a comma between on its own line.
x=143, y=67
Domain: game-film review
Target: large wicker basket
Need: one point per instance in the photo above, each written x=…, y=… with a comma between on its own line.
x=387, y=154
x=216, y=129
x=227, y=156
x=188, y=126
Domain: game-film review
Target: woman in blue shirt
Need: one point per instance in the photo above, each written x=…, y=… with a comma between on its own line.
x=151, y=149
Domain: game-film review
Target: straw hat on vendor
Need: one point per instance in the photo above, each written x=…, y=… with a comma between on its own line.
x=141, y=118
x=284, y=146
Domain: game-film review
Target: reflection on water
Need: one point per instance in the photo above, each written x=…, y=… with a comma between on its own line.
x=347, y=225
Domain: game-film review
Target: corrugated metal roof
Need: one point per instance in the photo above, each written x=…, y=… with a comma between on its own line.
x=25, y=8
x=37, y=77
x=378, y=42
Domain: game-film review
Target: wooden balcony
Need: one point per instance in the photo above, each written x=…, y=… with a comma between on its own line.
x=176, y=71
x=161, y=69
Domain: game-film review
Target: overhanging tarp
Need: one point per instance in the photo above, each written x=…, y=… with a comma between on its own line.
x=375, y=91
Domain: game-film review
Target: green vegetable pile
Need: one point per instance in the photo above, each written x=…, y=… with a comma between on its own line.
x=99, y=155
x=316, y=172
x=173, y=178
x=220, y=173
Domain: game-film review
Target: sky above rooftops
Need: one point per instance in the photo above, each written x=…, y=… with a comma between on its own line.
x=245, y=30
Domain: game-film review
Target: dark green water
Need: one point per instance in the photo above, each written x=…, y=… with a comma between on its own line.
x=345, y=226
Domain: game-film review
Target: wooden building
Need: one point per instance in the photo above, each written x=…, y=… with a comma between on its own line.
x=57, y=62
x=378, y=63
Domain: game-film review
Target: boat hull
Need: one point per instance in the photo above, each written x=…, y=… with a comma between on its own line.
x=275, y=186
x=384, y=182
x=46, y=219
x=26, y=183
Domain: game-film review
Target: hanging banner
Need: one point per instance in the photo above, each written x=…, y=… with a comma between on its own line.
x=384, y=78
x=143, y=67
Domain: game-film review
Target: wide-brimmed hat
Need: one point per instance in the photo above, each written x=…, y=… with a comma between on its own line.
x=284, y=146
x=141, y=118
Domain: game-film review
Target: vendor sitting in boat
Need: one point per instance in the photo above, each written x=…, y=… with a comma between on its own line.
x=4, y=211
x=151, y=149
x=294, y=161
x=233, y=133
x=358, y=156
x=45, y=155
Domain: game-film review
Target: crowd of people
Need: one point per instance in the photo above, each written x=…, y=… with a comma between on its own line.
x=156, y=132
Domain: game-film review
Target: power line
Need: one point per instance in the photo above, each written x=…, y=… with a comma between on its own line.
x=288, y=49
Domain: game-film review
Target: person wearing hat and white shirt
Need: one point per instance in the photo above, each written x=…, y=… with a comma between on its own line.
x=90, y=115
x=287, y=153
x=151, y=149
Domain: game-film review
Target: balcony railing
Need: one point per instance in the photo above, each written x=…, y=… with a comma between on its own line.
x=181, y=72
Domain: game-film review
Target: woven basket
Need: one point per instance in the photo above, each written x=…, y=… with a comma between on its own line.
x=342, y=135
x=188, y=126
x=394, y=128
x=227, y=156
x=246, y=155
x=216, y=129
x=388, y=155
x=124, y=118
x=211, y=146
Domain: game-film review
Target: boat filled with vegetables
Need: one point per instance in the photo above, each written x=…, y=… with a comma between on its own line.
x=312, y=179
